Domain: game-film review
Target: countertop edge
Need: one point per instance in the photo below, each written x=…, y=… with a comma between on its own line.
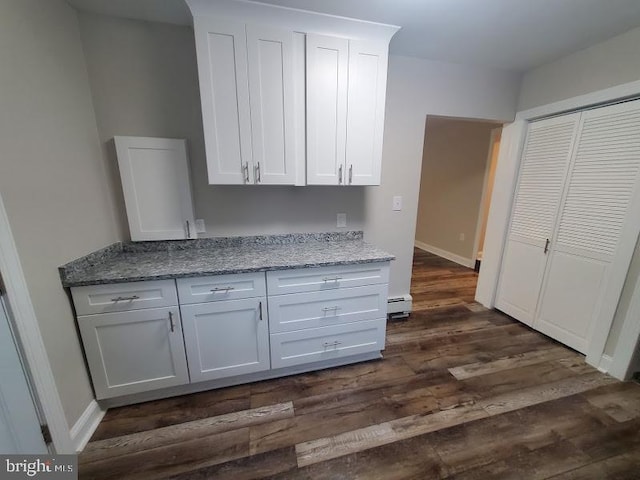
x=205, y=273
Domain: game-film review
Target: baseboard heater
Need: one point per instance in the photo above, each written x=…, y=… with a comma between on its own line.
x=399, y=307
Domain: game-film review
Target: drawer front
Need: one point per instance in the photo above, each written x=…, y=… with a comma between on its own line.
x=326, y=343
x=120, y=297
x=320, y=309
x=221, y=287
x=326, y=278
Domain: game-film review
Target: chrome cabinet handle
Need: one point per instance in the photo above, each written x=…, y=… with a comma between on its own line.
x=331, y=279
x=246, y=172
x=340, y=175
x=331, y=344
x=222, y=289
x=329, y=309
x=350, y=174
x=257, y=174
x=122, y=299
x=546, y=246
x=188, y=230
x=260, y=307
x=173, y=325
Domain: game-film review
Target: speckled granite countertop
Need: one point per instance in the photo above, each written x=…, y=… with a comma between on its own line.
x=129, y=262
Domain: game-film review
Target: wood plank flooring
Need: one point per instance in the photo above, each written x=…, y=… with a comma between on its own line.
x=462, y=393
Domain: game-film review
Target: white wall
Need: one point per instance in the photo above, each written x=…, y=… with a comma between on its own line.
x=454, y=163
x=613, y=62
x=144, y=82
x=51, y=175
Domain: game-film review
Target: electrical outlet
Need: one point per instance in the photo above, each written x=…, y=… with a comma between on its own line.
x=341, y=220
x=462, y=237
x=397, y=203
x=200, y=226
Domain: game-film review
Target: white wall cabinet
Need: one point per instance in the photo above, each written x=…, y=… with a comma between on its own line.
x=256, y=62
x=574, y=224
x=346, y=91
x=156, y=187
x=247, y=88
x=134, y=351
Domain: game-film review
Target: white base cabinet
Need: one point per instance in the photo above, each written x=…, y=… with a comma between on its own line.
x=226, y=338
x=145, y=337
x=134, y=351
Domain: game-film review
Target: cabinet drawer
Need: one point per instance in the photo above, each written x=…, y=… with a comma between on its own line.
x=320, y=309
x=120, y=297
x=325, y=343
x=221, y=287
x=326, y=278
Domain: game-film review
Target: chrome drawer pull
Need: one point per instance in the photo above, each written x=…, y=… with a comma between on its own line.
x=331, y=344
x=331, y=309
x=173, y=325
x=122, y=299
x=222, y=289
x=331, y=279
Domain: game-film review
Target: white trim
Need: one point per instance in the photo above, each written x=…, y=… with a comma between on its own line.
x=619, y=92
x=605, y=363
x=28, y=331
x=485, y=185
x=621, y=367
x=465, y=262
x=501, y=202
x=88, y=422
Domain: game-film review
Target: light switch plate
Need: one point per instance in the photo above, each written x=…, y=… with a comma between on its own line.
x=200, y=226
x=397, y=203
x=341, y=220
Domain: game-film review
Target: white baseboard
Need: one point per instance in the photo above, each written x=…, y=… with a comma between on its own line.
x=465, y=262
x=83, y=429
x=605, y=363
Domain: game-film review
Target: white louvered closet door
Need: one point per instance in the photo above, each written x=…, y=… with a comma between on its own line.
x=543, y=172
x=597, y=227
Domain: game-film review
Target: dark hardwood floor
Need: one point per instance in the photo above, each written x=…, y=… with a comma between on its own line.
x=462, y=393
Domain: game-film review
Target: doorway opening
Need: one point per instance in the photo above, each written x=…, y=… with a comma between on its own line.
x=458, y=171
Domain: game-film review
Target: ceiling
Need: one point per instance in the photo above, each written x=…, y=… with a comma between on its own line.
x=510, y=34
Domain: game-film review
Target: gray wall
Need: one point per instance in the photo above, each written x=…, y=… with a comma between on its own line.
x=144, y=82
x=613, y=62
x=454, y=163
x=51, y=176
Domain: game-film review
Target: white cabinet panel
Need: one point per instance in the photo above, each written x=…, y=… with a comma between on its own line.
x=135, y=351
x=317, y=344
x=271, y=88
x=318, y=309
x=365, y=111
x=326, y=278
x=225, y=339
x=327, y=76
x=224, y=90
x=156, y=187
x=120, y=297
x=221, y=287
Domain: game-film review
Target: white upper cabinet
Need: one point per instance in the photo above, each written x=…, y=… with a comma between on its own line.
x=221, y=49
x=156, y=187
x=269, y=74
x=327, y=76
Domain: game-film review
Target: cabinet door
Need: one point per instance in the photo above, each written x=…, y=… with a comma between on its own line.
x=542, y=177
x=597, y=227
x=365, y=111
x=227, y=338
x=222, y=66
x=136, y=351
x=271, y=88
x=327, y=70
x=156, y=187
